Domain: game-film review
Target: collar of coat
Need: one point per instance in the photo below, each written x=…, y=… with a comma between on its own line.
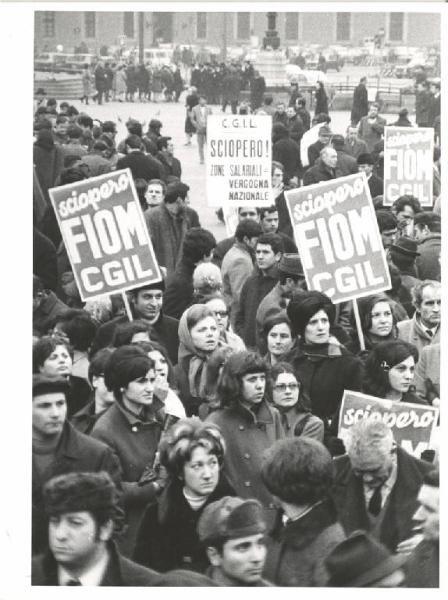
x=420, y=329
x=263, y=417
x=332, y=350
x=158, y=409
x=430, y=237
x=304, y=530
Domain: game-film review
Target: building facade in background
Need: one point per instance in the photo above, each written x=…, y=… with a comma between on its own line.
x=96, y=29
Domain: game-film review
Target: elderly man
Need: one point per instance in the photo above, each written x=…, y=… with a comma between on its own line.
x=324, y=169
x=83, y=514
x=232, y=530
x=377, y=484
x=58, y=448
x=299, y=474
x=423, y=565
x=424, y=327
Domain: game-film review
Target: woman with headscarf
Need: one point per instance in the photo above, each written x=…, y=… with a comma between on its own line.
x=323, y=365
x=199, y=336
x=378, y=323
x=390, y=372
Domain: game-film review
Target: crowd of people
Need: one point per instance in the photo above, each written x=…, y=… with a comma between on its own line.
x=197, y=444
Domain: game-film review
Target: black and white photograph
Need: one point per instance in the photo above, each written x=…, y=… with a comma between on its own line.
x=236, y=293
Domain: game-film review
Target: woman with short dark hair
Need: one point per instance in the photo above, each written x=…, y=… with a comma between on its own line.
x=248, y=423
x=132, y=427
x=378, y=323
x=390, y=370
x=192, y=453
x=278, y=337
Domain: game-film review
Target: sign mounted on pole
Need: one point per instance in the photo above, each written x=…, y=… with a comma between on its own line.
x=412, y=424
x=408, y=164
x=337, y=235
x=105, y=234
x=238, y=160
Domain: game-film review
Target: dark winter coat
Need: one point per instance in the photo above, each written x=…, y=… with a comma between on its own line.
x=171, y=165
x=49, y=162
x=296, y=129
x=319, y=172
x=360, y=106
x=179, y=291
x=142, y=166
x=247, y=436
x=297, y=550
x=321, y=105
x=423, y=108
x=397, y=525
x=314, y=152
x=428, y=263
x=120, y=571
x=376, y=186
x=422, y=568
x=346, y=164
x=167, y=538
x=44, y=316
x=84, y=420
x=75, y=453
x=221, y=250
x=287, y=152
x=255, y=288
x=325, y=374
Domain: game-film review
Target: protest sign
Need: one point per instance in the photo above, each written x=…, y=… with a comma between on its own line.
x=338, y=238
x=408, y=164
x=238, y=160
x=105, y=234
x=412, y=424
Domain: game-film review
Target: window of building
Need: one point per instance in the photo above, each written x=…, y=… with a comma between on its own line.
x=396, y=27
x=343, y=27
x=90, y=24
x=128, y=24
x=201, y=25
x=49, y=23
x=243, y=26
x=292, y=26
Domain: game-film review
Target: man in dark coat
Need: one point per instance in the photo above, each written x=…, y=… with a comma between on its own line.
x=299, y=473
x=285, y=151
x=231, y=90
x=224, y=245
x=315, y=149
x=324, y=169
x=427, y=232
x=83, y=511
x=165, y=155
x=198, y=247
x=257, y=89
x=59, y=449
x=100, y=81
x=346, y=164
x=377, y=484
x=146, y=304
x=423, y=105
x=360, y=105
x=365, y=163
x=268, y=252
x=353, y=145
x=142, y=166
x=303, y=113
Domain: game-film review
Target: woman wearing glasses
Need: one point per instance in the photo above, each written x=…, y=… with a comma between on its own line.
x=218, y=307
x=296, y=419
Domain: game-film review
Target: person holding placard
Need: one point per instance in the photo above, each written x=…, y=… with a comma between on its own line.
x=390, y=371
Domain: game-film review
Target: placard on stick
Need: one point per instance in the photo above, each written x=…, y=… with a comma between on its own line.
x=412, y=424
x=238, y=160
x=105, y=234
x=408, y=164
x=338, y=238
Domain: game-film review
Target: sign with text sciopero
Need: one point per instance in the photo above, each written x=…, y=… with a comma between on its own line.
x=412, y=424
x=238, y=160
x=337, y=235
x=408, y=164
x=105, y=234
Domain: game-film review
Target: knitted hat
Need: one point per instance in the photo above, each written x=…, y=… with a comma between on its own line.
x=360, y=561
x=231, y=518
x=49, y=385
x=305, y=305
x=76, y=492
